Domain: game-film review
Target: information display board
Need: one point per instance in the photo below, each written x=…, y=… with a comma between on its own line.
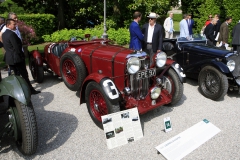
x=184, y=143
x=122, y=127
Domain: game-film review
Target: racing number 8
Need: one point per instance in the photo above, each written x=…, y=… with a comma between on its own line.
x=111, y=89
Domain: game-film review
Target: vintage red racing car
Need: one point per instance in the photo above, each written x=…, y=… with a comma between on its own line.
x=111, y=78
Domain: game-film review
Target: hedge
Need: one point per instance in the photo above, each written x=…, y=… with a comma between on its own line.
x=42, y=23
x=120, y=36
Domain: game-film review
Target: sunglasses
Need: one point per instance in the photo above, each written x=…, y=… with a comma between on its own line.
x=151, y=18
x=209, y=17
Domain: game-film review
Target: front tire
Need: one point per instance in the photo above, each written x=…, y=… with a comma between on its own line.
x=73, y=70
x=174, y=86
x=212, y=83
x=24, y=127
x=98, y=103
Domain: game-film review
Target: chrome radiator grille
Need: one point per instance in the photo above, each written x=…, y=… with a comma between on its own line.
x=236, y=58
x=139, y=87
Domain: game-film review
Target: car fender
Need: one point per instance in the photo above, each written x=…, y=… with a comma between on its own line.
x=37, y=57
x=219, y=65
x=107, y=85
x=179, y=70
x=17, y=88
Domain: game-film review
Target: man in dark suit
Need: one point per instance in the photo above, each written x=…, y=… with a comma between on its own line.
x=236, y=37
x=209, y=32
x=217, y=27
x=224, y=32
x=153, y=33
x=190, y=22
x=14, y=55
x=136, y=35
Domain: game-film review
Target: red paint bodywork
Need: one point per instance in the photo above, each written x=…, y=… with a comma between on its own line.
x=104, y=60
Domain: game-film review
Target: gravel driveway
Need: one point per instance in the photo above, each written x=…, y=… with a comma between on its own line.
x=66, y=130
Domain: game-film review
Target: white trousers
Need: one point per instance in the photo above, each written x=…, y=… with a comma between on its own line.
x=168, y=35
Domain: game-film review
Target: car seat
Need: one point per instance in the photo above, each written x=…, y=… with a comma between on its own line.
x=59, y=48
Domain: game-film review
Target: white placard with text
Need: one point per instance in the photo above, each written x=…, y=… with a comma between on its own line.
x=182, y=144
x=122, y=127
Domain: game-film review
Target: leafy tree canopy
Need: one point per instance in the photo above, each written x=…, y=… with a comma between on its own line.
x=86, y=13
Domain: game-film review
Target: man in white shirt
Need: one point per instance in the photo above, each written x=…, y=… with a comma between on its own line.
x=11, y=15
x=152, y=41
x=184, y=32
x=168, y=26
x=1, y=27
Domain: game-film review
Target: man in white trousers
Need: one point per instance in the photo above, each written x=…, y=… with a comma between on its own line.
x=168, y=26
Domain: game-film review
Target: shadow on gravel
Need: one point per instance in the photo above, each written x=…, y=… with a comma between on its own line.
x=54, y=128
x=6, y=145
x=159, y=111
x=192, y=82
x=48, y=81
x=233, y=94
x=153, y=114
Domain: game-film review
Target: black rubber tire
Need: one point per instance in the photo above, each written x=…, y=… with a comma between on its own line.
x=216, y=86
x=36, y=71
x=80, y=70
x=110, y=107
x=28, y=141
x=40, y=74
x=177, y=86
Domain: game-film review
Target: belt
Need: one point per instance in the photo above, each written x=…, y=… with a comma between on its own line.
x=149, y=43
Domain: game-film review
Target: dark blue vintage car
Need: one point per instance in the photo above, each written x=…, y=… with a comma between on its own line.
x=216, y=69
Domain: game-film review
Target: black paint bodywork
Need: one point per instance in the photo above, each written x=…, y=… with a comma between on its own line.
x=194, y=55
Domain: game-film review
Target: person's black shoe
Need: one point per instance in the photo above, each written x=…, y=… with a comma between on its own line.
x=33, y=91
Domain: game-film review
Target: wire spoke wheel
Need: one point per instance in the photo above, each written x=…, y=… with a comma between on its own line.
x=73, y=70
x=98, y=104
x=69, y=71
x=212, y=83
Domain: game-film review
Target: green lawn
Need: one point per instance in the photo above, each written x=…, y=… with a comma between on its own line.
x=30, y=48
x=176, y=25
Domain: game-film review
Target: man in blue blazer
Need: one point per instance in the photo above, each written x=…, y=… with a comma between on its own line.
x=136, y=35
x=190, y=22
x=153, y=35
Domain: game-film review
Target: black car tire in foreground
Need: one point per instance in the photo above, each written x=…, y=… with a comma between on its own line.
x=98, y=104
x=73, y=70
x=212, y=83
x=175, y=88
x=24, y=127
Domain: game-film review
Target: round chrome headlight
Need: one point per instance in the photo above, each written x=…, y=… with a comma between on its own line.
x=161, y=59
x=133, y=65
x=231, y=65
x=155, y=92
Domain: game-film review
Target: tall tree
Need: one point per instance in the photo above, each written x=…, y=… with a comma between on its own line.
x=209, y=7
x=79, y=13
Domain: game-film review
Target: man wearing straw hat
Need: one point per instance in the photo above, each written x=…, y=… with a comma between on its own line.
x=152, y=42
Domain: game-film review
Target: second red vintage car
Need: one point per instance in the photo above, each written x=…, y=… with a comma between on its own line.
x=111, y=78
